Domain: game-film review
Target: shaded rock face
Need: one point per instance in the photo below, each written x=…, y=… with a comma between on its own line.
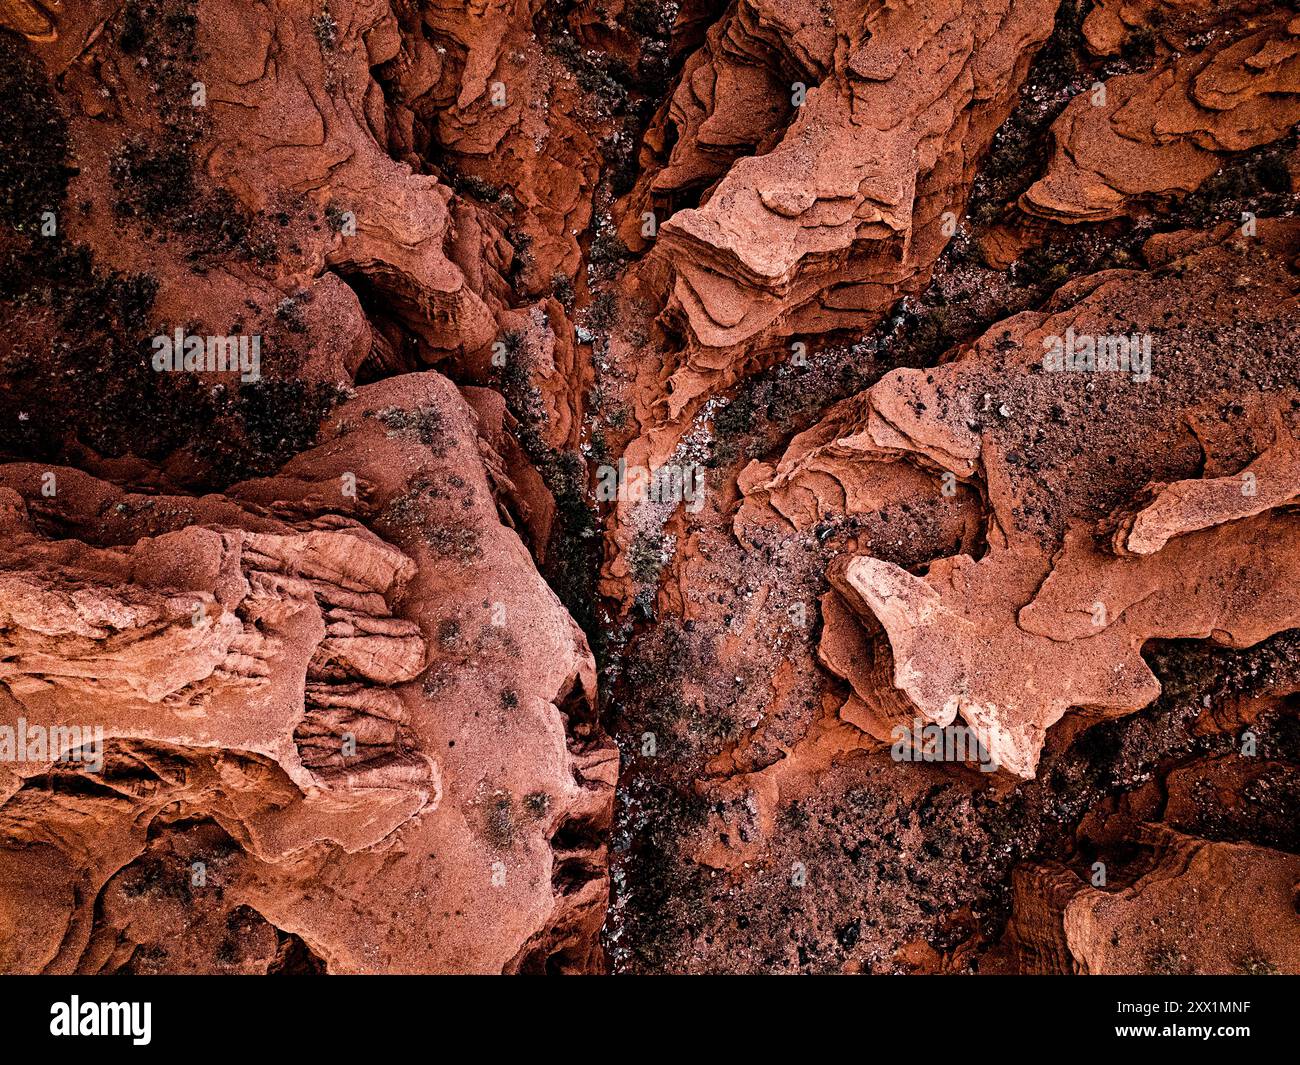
x=964, y=636
x=1159, y=922
x=281, y=693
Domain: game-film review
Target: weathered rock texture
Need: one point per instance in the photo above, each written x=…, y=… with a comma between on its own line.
x=346, y=725
x=1166, y=130
x=974, y=323
x=316, y=695
x=1195, y=911
x=1047, y=620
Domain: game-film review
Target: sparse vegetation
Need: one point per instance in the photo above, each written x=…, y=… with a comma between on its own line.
x=325, y=28
x=424, y=424
x=645, y=557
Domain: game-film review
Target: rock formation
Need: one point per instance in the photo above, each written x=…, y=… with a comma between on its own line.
x=309, y=680
x=1195, y=911
x=1166, y=130
x=738, y=486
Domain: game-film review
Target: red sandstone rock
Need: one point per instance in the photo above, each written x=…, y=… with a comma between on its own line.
x=231, y=646
x=1046, y=621
x=348, y=726
x=1202, y=908
x=1164, y=132
x=844, y=212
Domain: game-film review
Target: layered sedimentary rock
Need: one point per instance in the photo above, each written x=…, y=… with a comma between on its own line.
x=479, y=86
x=1049, y=619
x=972, y=328
x=312, y=709
x=1198, y=908
x=824, y=201
x=238, y=115
x=1202, y=503
x=843, y=210
x=1010, y=651
x=1163, y=132
x=278, y=727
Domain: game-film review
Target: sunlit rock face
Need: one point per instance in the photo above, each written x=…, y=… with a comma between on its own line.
x=314, y=705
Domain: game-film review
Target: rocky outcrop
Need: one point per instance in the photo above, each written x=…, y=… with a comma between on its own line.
x=818, y=206
x=944, y=602
x=313, y=747
x=91, y=634
x=483, y=97
x=310, y=713
x=1010, y=651
x=260, y=134
x=1048, y=620
x=1199, y=908
x=842, y=208
x=1202, y=503
x=1163, y=132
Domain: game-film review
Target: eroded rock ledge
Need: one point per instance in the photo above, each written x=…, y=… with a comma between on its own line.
x=317, y=675
x=1053, y=617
